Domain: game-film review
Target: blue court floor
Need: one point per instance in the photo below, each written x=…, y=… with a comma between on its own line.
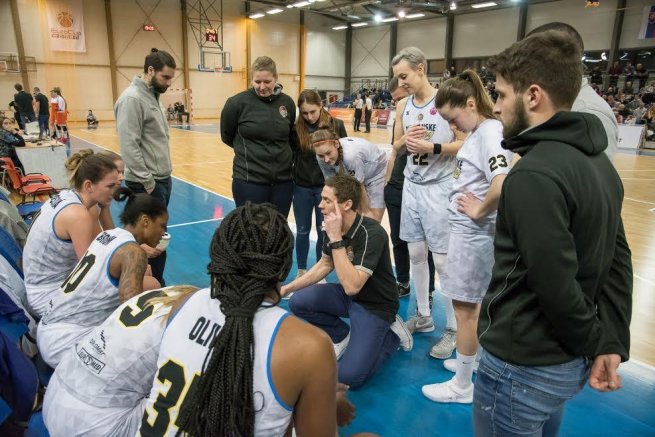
x=391, y=403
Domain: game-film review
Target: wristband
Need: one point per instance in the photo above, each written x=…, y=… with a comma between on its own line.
x=337, y=244
x=437, y=149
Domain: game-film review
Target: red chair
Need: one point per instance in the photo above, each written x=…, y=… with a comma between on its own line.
x=26, y=179
x=27, y=188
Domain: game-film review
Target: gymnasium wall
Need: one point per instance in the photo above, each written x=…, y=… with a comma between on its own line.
x=86, y=81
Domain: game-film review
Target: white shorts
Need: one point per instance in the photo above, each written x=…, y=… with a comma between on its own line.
x=55, y=339
x=424, y=214
x=375, y=193
x=67, y=416
x=468, y=266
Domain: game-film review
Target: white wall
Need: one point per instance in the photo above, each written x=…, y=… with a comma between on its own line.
x=594, y=24
x=427, y=35
x=325, y=59
x=484, y=33
x=370, y=52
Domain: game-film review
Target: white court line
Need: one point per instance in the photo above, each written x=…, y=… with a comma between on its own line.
x=201, y=163
x=629, y=169
x=644, y=279
x=639, y=201
x=638, y=179
x=642, y=364
x=194, y=223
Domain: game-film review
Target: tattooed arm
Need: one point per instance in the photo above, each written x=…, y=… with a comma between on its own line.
x=128, y=264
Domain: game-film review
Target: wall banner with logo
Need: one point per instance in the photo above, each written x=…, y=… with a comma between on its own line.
x=66, y=25
x=647, y=29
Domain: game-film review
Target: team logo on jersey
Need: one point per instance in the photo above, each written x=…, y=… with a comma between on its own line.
x=105, y=238
x=350, y=253
x=433, y=111
x=90, y=361
x=420, y=117
x=428, y=135
x=283, y=111
x=55, y=200
x=458, y=169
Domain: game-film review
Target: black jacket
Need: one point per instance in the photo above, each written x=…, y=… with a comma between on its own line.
x=561, y=286
x=306, y=172
x=262, y=133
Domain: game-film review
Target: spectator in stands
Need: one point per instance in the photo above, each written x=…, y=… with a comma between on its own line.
x=641, y=74
x=628, y=71
x=43, y=111
x=91, y=120
x=596, y=76
x=307, y=176
x=24, y=101
x=260, y=125
x=614, y=73
x=628, y=88
x=640, y=111
x=10, y=138
x=611, y=101
x=358, y=104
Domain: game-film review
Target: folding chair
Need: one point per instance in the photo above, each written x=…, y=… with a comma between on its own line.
x=25, y=188
x=28, y=178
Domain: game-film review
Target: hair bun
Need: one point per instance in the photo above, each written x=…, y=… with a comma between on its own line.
x=154, y=50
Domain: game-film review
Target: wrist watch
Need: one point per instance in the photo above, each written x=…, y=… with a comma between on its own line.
x=337, y=244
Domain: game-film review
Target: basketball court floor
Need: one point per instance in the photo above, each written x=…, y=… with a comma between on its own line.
x=391, y=403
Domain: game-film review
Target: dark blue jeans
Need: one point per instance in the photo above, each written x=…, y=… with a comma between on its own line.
x=514, y=400
x=27, y=118
x=306, y=200
x=162, y=192
x=371, y=340
x=43, y=125
x=279, y=195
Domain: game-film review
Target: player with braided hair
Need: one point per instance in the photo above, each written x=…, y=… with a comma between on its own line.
x=232, y=363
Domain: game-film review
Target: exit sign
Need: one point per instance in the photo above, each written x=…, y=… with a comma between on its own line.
x=149, y=27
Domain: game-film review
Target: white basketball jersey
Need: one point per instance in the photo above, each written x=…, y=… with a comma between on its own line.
x=113, y=365
x=89, y=294
x=47, y=259
x=362, y=159
x=427, y=167
x=480, y=159
x=183, y=350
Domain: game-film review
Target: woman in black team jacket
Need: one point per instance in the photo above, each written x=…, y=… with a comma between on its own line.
x=307, y=174
x=259, y=125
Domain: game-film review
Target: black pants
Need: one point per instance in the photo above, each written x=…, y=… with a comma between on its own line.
x=358, y=119
x=162, y=191
x=393, y=200
x=279, y=194
x=367, y=119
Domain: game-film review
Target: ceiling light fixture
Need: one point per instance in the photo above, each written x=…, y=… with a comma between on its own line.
x=300, y=4
x=419, y=15
x=256, y=15
x=389, y=20
x=453, y=5
x=274, y=11
x=378, y=18
x=401, y=14
x=359, y=24
x=339, y=27
x=484, y=5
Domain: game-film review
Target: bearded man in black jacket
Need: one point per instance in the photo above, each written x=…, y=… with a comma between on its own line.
x=557, y=312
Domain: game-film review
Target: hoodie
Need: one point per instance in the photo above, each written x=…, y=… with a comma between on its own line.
x=261, y=130
x=143, y=133
x=561, y=284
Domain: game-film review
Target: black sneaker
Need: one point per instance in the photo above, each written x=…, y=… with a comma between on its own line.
x=403, y=290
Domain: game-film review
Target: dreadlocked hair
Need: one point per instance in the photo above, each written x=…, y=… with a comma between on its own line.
x=250, y=254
